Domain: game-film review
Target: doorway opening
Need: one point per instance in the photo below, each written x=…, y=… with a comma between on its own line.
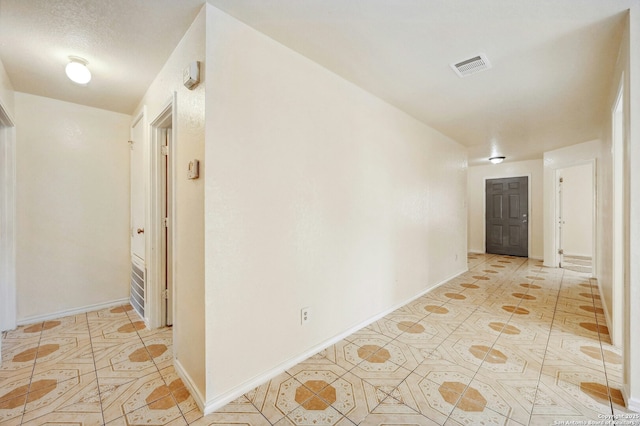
x=507, y=216
x=576, y=218
x=161, y=267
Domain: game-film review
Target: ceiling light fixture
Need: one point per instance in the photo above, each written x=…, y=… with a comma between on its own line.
x=496, y=160
x=77, y=70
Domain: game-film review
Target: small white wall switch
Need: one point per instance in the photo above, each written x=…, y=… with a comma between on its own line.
x=305, y=315
x=194, y=169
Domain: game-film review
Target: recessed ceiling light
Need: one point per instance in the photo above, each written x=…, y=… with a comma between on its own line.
x=496, y=160
x=77, y=70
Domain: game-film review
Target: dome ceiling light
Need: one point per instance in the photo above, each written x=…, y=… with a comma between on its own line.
x=77, y=70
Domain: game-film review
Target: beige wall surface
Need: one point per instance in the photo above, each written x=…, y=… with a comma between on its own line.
x=627, y=72
x=188, y=223
x=477, y=177
x=632, y=295
x=72, y=206
x=318, y=195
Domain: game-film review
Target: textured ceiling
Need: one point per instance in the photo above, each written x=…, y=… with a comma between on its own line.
x=552, y=59
x=126, y=42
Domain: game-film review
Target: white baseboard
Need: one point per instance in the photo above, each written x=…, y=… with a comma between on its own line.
x=189, y=383
x=472, y=251
x=632, y=404
x=476, y=251
x=225, y=398
x=74, y=311
x=579, y=255
x=607, y=318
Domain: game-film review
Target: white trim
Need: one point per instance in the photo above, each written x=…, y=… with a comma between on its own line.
x=631, y=403
x=607, y=317
x=245, y=387
x=476, y=251
x=155, y=261
x=484, y=252
x=74, y=311
x=588, y=255
x=619, y=243
x=189, y=383
x=8, y=292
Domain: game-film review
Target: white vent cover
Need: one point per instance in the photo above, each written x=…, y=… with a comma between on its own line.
x=471, y=66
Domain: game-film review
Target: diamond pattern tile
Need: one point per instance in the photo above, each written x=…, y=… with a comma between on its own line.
x=507, y=343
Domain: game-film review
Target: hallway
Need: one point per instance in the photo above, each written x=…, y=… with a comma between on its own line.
x=508, y=342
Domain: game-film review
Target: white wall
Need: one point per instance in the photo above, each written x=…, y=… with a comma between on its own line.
x=72, y=206
x=632, y=339
x=476, y=179
x=577, y=210
x=628, y=71
x=188, y=222
x=317, y=195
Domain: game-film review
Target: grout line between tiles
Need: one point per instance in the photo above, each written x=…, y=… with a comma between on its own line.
x=460, y=397
x=26, y=400
x=95, y=369
x=555, y=310
x=499, y=286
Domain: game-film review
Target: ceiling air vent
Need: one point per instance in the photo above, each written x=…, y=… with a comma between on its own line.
x=471, y=65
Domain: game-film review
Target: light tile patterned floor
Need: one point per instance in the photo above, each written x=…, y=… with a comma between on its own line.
x=508, y=342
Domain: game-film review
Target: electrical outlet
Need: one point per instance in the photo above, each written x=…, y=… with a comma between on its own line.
x=305, y=315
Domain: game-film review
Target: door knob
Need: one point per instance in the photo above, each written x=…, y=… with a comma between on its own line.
x=140, y=231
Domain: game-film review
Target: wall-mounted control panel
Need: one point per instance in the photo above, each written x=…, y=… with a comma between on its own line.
x=191, y=75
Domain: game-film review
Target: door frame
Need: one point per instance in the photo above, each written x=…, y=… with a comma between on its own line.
x=594, y=222
x=8, y=182
x=155, y=252
x=484, y=207
x=620, y=242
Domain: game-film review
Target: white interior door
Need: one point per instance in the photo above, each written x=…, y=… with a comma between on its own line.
x=137, y=190
x=138, y=287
